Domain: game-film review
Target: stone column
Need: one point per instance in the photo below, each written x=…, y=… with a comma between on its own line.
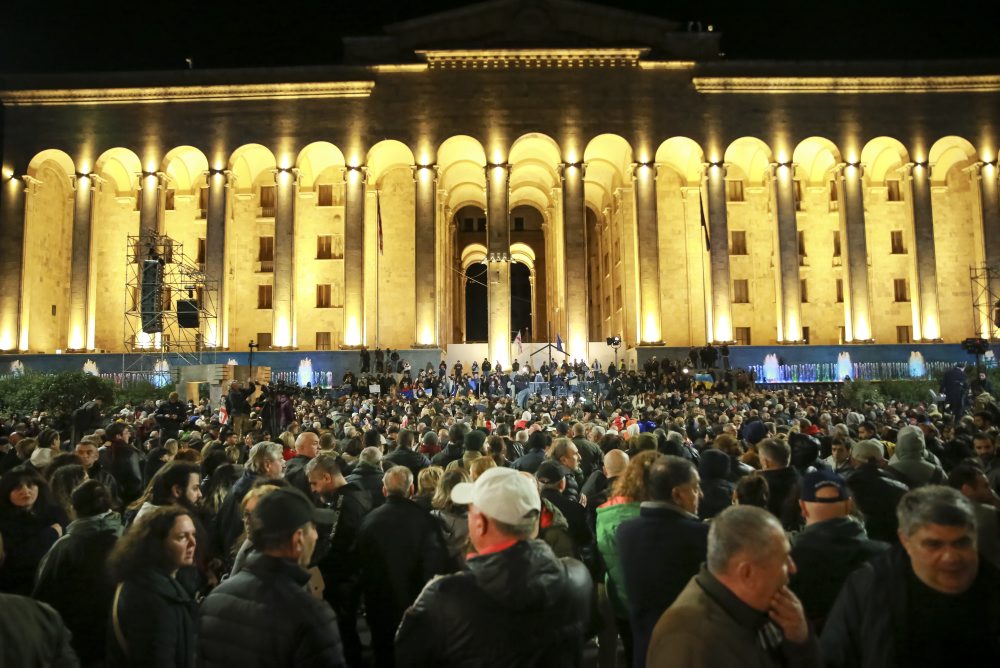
x=13, y=211
x=986, y=177
x=790, y=289
x=83, y=198
x=354, y=255
x=919, y=176
x=648, y=251
x=215, y=255
x=283, y=299
x=498, y=262
x=852, y=230
x=718, y=234
x=575, y=263
x=425, y=249
x=149, y=205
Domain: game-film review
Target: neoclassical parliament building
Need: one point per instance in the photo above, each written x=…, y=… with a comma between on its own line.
x=608, y=169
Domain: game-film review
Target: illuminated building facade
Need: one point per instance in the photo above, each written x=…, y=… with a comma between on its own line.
x=644, y=187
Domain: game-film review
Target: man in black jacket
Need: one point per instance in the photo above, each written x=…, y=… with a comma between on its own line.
x=263, y=615
x=367, y=474
x=455, y=447
x=534, y=606
x=782, y=481
x=928, y=602
x=405, y=455
x=399, y=548
x=875, y=492
x=238, y=405
x=831, y=547
x=339, y=561
x=306, y=447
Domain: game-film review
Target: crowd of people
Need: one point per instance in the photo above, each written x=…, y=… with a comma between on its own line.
x=662, y=523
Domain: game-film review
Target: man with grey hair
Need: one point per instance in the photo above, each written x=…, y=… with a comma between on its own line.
x=513, y=583
x=399, y=548
x=367, y=474
x=738, y=610
x=928, y=602
x=264, y=461
x=782, y=481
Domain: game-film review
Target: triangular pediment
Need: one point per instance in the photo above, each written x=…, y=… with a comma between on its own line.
x=534, y=24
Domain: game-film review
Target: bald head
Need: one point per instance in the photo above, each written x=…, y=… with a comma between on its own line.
x=307, y=444
x=615, y=463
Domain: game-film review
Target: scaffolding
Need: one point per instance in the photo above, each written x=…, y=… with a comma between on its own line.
x=170, y=314
x=985, y=281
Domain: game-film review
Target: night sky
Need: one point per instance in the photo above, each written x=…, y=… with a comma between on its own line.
x=74, y=36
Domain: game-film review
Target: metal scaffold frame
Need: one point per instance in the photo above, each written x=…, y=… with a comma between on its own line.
x=985, y=281
x=178, y=279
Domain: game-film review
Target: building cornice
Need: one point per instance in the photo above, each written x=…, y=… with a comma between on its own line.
x=206, y=93
x=847, y=85
x=531, y=58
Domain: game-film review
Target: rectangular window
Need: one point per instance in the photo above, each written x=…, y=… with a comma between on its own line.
x=607, y=265
x=264, y=340
x=265, y=249
x=264, y=293
x=741, y=291
x=895, y=194
x=618, y=251
x=840, y=291
x=168, y=250
x=834, y=196
x=607, y=305
x=734, y=190
x=618, y=298
x=797, y=189
x=836, y=244
x=203, y=203
x=805, y=334
x=802, y=244
x=267, y=201
x=324, y=247
x=169, y=203
x=742, y=335
x=903, y=334
x=481, y=225
x=201, y=252
x=738, y=242
x=324, y=194
x=842, y=335
x=467, y=225
x=900, y=290
x=519, y=223
x=322, y=340
x=323, y=296
x=803, y=291
x=896, y=239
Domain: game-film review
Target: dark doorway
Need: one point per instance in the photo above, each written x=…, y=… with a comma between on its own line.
x=475, y=304
x=520, y=301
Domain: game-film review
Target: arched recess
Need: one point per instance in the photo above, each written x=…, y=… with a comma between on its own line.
x=608, y=190
x=461, y=183
x=391, y=277
x=250, y=247
x=185, y=199
x=958, y=234
x=749, y=212
x=471, y=300
x=891, y=241
x=680, y=162
x=47, y=252
x=115, y=216
x=319, y=246
x=815, y=161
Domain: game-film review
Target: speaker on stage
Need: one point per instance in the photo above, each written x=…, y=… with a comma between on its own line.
x=150, y=297
x=187, y=313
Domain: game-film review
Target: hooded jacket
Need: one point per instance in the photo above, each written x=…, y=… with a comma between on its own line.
x=521, y=587
x=714, y=467
x=908, y=464
x=72, y=581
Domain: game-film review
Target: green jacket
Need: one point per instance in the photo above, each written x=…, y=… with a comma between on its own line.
x=609, y=518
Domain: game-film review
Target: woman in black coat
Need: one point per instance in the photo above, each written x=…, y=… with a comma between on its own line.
x=124, y=462
x=29, y=524
x=152, y=615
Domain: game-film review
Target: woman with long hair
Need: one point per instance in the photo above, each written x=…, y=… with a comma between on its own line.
x=63, y=481
x=30, y=522
x=452, y=517
x=152, y=615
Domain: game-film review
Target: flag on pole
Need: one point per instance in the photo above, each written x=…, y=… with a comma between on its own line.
x=378, y=216
x=517, y=340
x=559, y=342
x=704, y=225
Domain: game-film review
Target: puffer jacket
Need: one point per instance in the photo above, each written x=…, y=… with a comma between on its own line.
x=610, y=516
x=521, y=587
x=369, y=478
x=263, y=616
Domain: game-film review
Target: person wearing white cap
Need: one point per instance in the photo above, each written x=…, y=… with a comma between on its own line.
x=513, y=583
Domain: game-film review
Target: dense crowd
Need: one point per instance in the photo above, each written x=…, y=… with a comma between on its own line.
x=453, y=518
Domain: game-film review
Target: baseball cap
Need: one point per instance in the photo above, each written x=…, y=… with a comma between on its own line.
x=550, y=471
x=501, y=493
x=816, y=480
x=287, y=509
